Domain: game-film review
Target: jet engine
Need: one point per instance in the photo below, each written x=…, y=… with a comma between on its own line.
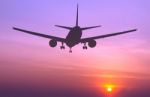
x=53, y=43
x=92, y=43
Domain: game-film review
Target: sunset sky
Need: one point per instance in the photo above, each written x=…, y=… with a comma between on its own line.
x=30, y=68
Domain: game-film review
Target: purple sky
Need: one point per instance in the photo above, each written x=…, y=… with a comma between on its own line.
x=29, y=65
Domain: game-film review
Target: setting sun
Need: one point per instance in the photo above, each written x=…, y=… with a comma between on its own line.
x=109, y=89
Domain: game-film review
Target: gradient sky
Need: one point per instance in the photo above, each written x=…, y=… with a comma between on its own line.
x=30, y=68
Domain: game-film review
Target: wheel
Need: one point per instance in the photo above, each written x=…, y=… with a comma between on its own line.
x=84, y=47
x=62, y=47
x=70, y=51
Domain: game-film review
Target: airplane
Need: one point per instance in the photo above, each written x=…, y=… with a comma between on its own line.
x=74, y=36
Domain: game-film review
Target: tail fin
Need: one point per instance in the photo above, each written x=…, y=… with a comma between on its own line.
x=86, y=28
x=77, y=17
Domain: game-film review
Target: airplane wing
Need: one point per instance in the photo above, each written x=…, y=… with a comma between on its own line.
x=40, y=35
x=105, y=36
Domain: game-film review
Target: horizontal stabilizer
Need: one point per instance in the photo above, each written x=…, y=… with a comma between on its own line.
x=86, y=28
x=69, y=28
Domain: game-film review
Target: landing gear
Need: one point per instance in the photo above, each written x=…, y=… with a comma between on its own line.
x=62, y=47
x=70, y=51
x=85, y=47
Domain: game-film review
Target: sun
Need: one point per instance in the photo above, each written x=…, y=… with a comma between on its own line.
x=109, y=89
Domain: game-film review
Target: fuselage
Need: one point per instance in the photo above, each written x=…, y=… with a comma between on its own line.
x=74, y=36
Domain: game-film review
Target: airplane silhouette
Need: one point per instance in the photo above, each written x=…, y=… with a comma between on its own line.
x=74, y=36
